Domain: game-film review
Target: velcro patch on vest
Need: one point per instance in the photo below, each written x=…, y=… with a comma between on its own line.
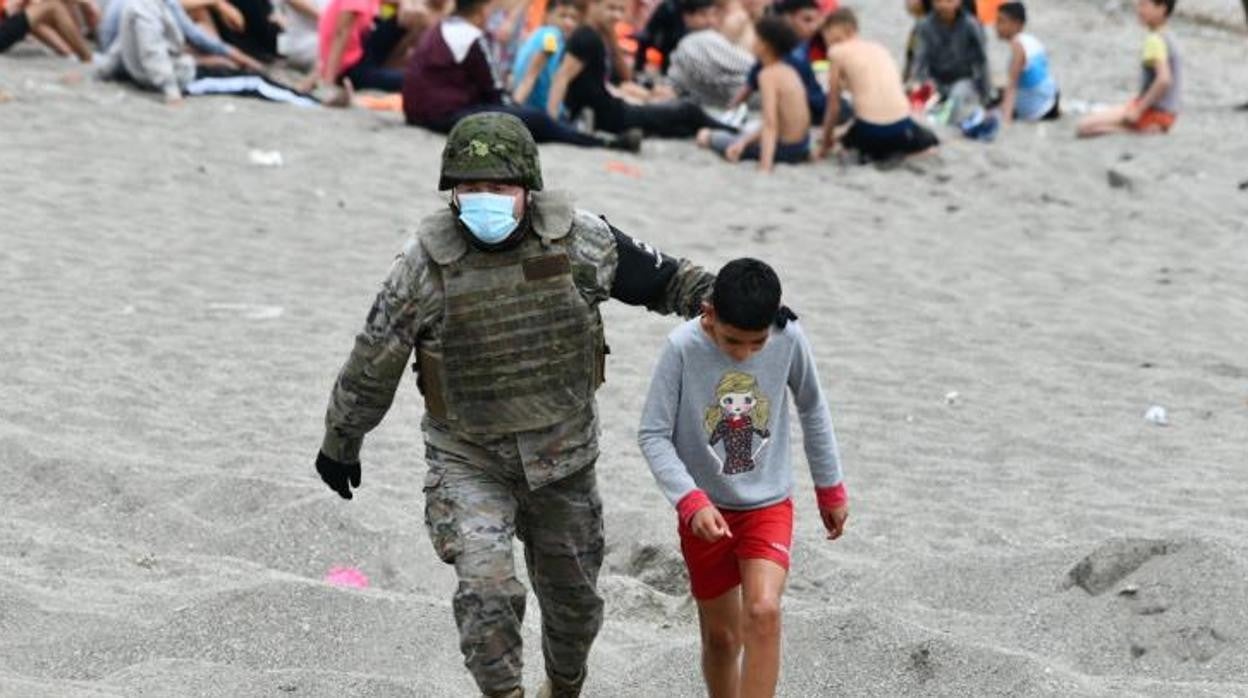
x=538, y=268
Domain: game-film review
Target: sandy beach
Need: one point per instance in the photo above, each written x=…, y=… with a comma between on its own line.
x=991, y=325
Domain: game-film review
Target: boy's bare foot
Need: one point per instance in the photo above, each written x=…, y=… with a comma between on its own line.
x=342, y=97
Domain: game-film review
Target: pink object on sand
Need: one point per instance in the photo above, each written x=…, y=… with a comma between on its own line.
x=346, y=577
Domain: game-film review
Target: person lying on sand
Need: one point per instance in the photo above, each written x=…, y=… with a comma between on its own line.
x=785, y=132
x=882, y=126
x=715, y=433
x=1156, y=107
x=50, y=20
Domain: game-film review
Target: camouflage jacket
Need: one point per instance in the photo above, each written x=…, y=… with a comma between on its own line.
x=409, y=310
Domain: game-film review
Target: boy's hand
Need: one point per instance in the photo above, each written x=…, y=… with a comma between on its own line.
x=709, y=525
x=834, y=520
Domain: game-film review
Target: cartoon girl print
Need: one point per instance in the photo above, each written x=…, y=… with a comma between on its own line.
x=739, y=405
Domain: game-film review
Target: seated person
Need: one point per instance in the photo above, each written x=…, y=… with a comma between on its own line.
x=949, y=51
x=882, y=126
x=450, y=75
x=196, y=37
x=360, y=40
x=799, y=14
x=51, y=20
x=785, y=133
x=583, y=85
x=707, y=66
x=150, y=50
x=1030, y=90
x=539, y=56
x=670, y=22
x=1156, y=106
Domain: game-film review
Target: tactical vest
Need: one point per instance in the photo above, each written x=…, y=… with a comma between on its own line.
x=520, y=347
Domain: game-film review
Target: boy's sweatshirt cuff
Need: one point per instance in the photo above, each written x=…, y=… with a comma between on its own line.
x=691, y=504
x=831, y=497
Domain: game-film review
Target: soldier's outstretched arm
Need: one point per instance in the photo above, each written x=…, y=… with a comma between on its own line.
x=646, y=276
x=367, y=382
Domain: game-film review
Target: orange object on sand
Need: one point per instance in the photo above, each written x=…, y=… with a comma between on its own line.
x=987, y=11
x=391, y=102
x=623, y=168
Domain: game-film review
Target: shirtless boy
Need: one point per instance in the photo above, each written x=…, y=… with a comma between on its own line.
x=882, y=126
x=785, y=133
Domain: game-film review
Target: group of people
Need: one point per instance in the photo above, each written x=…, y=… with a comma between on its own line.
x=693, y=69
x=496, y=298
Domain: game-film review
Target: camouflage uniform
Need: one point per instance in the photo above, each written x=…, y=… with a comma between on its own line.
x=509, y=349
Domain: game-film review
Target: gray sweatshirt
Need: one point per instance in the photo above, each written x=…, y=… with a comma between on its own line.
x=722, y=427
x=150, y=49
x=948, y=53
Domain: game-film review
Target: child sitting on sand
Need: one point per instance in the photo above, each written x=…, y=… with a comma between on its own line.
x=785, y=132
x=1030, y=90
x=949, y=50
x=1161, y=81
x=802, y=17
x=715, y=432
x=882, y=126
x=539, y=56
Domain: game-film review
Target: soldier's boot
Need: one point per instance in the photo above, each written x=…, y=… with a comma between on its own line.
x=557, y=687
x=513, y=693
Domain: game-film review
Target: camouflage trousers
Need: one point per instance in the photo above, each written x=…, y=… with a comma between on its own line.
x=476, y=501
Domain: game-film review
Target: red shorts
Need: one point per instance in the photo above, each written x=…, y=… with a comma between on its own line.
x=1154, y=120
x=757, y=534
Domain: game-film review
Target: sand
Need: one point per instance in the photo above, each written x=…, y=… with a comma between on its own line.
x=172, y=317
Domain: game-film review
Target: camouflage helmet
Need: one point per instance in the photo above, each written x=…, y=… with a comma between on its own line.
x=490, y=146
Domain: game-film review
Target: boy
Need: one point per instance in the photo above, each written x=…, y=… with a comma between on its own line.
x=803, y=17
x=539, y=57
x=1030, y=91
x=949, y=51
x=715, y=432
x=785, y=133
x=1161, y=81
x=882, y=126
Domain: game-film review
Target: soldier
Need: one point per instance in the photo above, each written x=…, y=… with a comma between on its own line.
x=498, y=296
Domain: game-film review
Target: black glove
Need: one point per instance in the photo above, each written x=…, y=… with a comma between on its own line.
x=337, y=475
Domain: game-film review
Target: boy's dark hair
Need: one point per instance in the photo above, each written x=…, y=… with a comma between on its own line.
x=464, y=8
x=746, y=294
x=843, y=17
x=788, y=7
x=777, y=34
x=1169, y=4
x=1014, y=10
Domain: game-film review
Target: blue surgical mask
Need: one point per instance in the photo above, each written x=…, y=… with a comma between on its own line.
x=491, y=218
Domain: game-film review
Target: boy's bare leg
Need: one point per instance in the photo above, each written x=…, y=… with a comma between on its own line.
x=762, y=583
x=1103, y=122
x=720, y=620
